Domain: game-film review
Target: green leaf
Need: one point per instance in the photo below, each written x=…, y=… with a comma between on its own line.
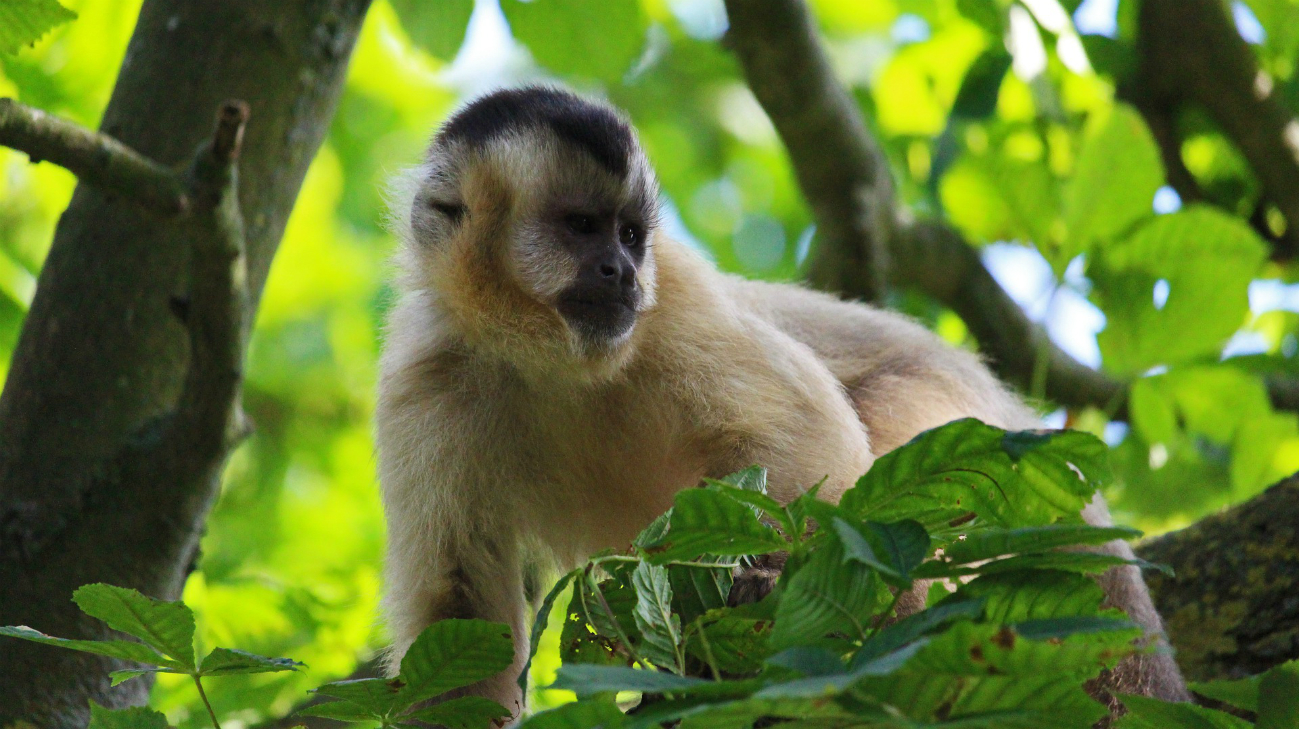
x=593, y=38
x=540, y=620
x=995, y=543
x=1075, y=562
x=1278, y=699
x=1010, y=479
x=167, y=626
x=1240, y=693
x=454, y=653
x=1208, y=258
x=127, y=717
x=588, y=679
x=911, y=628
x=438, y=27
x=583, y=713
x=378, y=696
x=122, y=675
x=895, y=549
x=826, y=594
x=460, y=712
x=738, y=644
x=810, y=661
x=709, y=521
x=1017, y=596
x=697, y=591
x=661, y=630
x=342, y=710
x=233, y=661
x=978, y=96
x=23, y=22
x=129, y=650
x=1148, y=712
x=1114, y=182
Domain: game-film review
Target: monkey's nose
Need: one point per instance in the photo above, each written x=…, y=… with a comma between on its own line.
x=616, y=272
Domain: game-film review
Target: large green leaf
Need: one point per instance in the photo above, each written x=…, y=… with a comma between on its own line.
x=698, y=590
x=454, y=653
x=710, y=521
x=737, y=644
x=661, y=629
x=1278, y=700
x=167, y=626
x=592, y=38
x=234, y=661
x=25, y=21
x=126, y=717
x=994, y=543
x=542, y=617
x=826, y=594
x=460, y=712
x=1016, y=596
x=583, y=713
x=588, y=679
x=1114, y=182
x=1011, y=479
x=129, y=650
x=1207, y=257
x=438, y=27
x=1148, y=712
x=894, y=549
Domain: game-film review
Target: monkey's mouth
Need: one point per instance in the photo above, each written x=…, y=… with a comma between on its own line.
x=599, y=319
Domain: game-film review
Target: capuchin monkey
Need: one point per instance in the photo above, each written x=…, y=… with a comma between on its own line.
x=557, y=369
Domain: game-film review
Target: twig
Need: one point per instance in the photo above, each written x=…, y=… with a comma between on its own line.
x=217, y=316
x=93, y=157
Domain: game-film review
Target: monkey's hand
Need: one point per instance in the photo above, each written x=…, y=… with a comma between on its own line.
x=752, y=583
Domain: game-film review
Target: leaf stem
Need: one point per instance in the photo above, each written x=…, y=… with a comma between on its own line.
x=204, y=696
x=708, y=650
x=683, y=563
x=885, y=616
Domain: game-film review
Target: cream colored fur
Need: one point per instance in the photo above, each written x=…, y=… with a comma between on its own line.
x=499, y=431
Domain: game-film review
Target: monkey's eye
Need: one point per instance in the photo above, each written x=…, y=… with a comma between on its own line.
x=453, y=211
x=580, y=224
x=630, y=236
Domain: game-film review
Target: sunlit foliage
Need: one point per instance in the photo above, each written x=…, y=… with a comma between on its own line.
x=1000, y=117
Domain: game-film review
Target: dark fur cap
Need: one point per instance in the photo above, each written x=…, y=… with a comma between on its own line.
x=591, y=127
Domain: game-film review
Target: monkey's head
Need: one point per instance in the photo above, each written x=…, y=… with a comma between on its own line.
x=532, y=226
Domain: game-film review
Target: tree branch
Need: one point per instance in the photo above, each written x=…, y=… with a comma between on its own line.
x=842, y=172
x=847, y=183
x=1189, y=52
x=93, y=157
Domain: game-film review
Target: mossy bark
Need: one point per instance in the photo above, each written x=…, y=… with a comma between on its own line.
x=1231, y=609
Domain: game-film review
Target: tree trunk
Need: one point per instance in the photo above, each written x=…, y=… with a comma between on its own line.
x=1230, y=609
x=96, y=485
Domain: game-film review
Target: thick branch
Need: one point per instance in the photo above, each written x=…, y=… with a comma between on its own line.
x=847, y=183
x=93, y=157
x=843, y=174
x=1230, y=607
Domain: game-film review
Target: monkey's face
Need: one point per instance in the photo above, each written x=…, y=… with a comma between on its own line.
x=534, y=223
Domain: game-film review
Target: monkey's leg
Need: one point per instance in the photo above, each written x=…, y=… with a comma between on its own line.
x=477, y=575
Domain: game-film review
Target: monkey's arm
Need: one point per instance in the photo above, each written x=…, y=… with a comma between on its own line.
x=452, y=539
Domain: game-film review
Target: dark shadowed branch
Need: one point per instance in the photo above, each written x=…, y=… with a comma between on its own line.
x=848, y=186
x=1190, y=54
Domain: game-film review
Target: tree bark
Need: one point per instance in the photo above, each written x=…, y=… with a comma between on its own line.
x=1230, y=609
x=118, y=412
